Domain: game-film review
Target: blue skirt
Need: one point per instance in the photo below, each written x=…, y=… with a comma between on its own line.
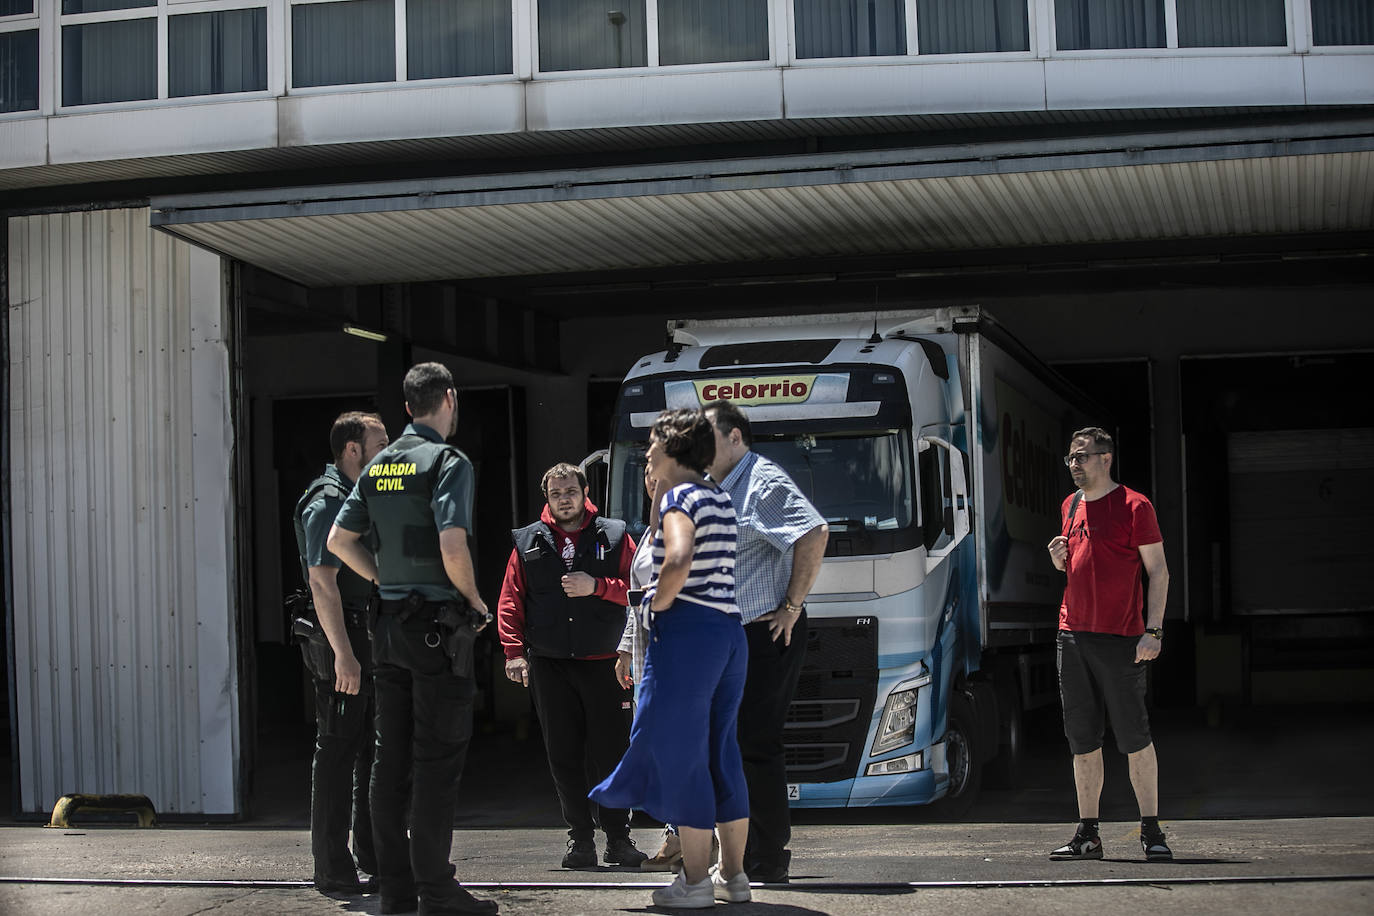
x=683, y=765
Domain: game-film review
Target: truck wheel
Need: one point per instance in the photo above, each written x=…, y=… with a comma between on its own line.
x=963, y=757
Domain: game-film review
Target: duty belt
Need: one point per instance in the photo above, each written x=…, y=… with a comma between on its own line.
x=406, y=607
x=355, y=618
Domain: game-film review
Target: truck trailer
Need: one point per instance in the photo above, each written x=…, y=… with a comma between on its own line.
x=931, y=441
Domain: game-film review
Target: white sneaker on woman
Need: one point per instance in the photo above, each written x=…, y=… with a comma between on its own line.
x=683, y=896
x=736, y=890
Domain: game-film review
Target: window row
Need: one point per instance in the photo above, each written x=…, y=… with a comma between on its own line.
x=354, y=41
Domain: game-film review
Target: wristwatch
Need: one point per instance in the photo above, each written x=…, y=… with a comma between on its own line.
x=791, y=608
x=1156, y=632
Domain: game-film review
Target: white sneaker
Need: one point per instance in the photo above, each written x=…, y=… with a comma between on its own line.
x=683, y=896
x=736, y=890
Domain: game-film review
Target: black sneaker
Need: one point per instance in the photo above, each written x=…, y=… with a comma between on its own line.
x=1156, y=850
x=1080, y=847
x=620, y=850
x=580, y=854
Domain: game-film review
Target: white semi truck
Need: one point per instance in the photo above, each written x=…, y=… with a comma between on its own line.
x=930, y=440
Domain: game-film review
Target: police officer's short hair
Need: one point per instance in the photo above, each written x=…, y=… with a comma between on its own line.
x=729, y=417
x=425, y=386
x=351, y=426
x=1101, y=439
x=562, y=469
x=686, y=436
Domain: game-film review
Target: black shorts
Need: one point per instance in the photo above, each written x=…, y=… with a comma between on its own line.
x=1098, y=677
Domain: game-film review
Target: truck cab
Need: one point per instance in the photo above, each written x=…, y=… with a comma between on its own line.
x=874, y=418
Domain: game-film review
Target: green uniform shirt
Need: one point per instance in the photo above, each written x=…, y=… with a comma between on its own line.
x=314, y=523
x=391, y=478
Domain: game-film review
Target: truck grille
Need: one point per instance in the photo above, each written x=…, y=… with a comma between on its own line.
x=827, y=722
x=821, y=713
x=811, y=758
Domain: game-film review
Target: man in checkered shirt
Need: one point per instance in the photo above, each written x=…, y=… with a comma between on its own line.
x=781, y=543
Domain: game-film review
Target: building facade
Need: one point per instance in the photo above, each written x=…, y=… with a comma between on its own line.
x=207, y=200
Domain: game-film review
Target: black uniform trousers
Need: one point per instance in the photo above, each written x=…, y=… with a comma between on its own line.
x=585, y=716
x=424, y=724
x=774, y=670
x=341, y=773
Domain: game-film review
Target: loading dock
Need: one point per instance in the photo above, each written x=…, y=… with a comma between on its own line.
x=1120, y=257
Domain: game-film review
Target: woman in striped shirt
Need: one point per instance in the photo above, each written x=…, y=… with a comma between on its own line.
x=683, y=765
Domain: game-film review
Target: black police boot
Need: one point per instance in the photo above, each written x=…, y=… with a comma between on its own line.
x=401, y=901
x=344, y=885
x=770, y=871
x=456, y=901
x=398, y=904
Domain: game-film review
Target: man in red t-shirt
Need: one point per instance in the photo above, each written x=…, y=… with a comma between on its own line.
x=1109, y=534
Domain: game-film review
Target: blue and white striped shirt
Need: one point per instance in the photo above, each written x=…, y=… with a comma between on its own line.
x=772, y=516
x=711, y=579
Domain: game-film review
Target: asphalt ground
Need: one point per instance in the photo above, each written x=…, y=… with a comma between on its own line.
x=1268, y=811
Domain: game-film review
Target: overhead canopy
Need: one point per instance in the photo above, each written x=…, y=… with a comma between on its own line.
x=1166, y=185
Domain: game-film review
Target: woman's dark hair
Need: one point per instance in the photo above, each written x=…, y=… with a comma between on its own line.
x=687, y=438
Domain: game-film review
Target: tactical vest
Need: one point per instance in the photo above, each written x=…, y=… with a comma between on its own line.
x=353, y=588
x=398, y=486
x=558, y=626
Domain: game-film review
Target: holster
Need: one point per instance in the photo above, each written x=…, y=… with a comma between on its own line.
x=457, y=623
x=315, y=649
x=374, y=608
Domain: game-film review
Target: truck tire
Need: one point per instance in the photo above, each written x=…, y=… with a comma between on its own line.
x=964, y=758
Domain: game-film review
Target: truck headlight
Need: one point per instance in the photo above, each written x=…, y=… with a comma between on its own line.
x=897, y=728
x=908, y=764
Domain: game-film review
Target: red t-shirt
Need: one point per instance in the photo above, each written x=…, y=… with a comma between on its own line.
x=1104, y=592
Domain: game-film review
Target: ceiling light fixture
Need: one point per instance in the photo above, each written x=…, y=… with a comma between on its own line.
x=364, y=333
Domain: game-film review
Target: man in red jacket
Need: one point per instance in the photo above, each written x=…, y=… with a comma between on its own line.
x=1110, y=626
x=560, y=616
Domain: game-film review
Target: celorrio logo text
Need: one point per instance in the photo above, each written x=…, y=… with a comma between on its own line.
x=1032, y=475
x=765, y=390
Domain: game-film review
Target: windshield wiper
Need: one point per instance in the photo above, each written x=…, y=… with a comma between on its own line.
x=851, y=523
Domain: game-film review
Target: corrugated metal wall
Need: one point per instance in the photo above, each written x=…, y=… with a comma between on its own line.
x=121, y=454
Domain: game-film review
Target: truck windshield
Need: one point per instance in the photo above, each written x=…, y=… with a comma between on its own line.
x=858, y=481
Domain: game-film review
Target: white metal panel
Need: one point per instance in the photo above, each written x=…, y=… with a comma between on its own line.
x=134, y=133
x=1339, y=79
x=668, y=98
x=23, y=142
x=1291, y=194
x=395, y=114
x=1169, y=81
x=120, y=446
x=896, y=89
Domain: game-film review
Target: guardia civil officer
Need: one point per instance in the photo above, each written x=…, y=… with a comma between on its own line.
x=417, y=494
x=343, y=691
